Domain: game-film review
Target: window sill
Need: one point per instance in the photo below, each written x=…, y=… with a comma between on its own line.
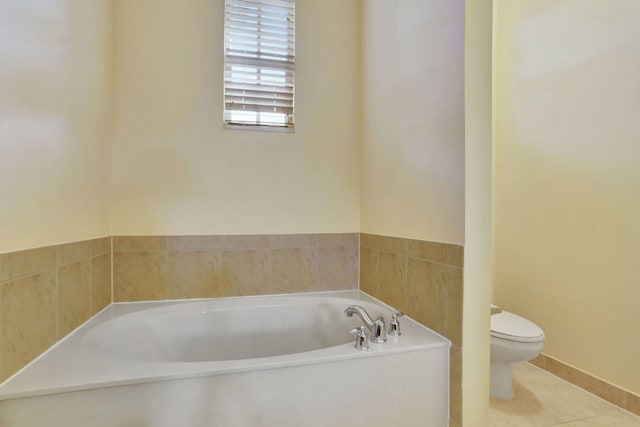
x=259, y=128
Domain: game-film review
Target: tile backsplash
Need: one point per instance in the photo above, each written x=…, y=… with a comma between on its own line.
x=47, y=292
x=175, y=267
x=423, y=279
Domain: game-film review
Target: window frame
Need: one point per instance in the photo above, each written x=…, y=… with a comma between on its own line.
x=265, y=47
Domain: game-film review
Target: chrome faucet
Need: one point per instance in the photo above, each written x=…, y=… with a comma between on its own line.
x=377, y=329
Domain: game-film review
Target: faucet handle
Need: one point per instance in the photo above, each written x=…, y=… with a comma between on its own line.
x=379, y=331
x=394, y=324
x=362, y=343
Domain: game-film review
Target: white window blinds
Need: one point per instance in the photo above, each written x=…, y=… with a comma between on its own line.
x=259, y=41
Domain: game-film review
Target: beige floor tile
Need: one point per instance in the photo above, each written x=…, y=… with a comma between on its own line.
x=559, y=397
x=616, y=419
x=541, y=398
x=520, y=412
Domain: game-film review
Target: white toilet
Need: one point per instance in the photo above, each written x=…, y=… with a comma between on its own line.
x=513, y=339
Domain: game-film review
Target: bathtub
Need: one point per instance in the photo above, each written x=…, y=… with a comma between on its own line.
x=248, y=361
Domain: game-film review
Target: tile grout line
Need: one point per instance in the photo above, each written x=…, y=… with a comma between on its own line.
x=416, y=258
x=56, y=294
x=359, y=261
x=111, y=267
x=90, y=283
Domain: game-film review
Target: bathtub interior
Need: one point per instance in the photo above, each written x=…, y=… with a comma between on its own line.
x=207, y=332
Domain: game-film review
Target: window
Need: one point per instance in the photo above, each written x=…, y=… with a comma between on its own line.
x=259, y=42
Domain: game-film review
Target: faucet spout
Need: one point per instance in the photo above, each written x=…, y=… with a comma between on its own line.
x=362, y=313
x=377, y=329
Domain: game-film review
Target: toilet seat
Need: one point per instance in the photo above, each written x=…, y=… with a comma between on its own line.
x=512, y=327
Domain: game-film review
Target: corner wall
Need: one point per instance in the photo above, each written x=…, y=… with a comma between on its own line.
x=55, y=81
x=567, y=181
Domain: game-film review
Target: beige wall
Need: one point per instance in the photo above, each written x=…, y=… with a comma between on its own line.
x=567, y=178
x=177, y=171
x=54, y=111
x=413, y=119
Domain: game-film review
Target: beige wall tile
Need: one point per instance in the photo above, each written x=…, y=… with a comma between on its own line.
x=194, y=274
x=337, y=268
x=245, y=272
x=246, y=242
x=557, y=368
x=633, y=403
x=369, y=271
x=73, y=252
x=430, y=251
x=138, y=243
x=538, y=361
x=100, y=282
x=22, y=263
x=453, y=279
x=294, y=270
x=392, y=279
x=369, y=240
x=100, y=246
x=455, y=255
x=600, y=388
x=338, y=239
x=394, y=245
x=74, y=296
x=194, y=243
x=2, y=353
x=139, y=276
x=292, y=241
x=28, y=311
x=455, y=386
x=5, y=269
x=427, y=294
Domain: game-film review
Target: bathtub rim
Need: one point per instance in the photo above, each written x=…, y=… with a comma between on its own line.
x=31, y=380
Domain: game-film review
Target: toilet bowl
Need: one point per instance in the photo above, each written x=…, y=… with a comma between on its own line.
x=513, y=339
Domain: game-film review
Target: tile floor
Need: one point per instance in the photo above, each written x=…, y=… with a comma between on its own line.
x=542, y=399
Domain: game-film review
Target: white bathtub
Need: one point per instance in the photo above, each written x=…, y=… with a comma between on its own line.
x=252, y=361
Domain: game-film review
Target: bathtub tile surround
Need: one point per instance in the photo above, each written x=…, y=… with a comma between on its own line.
x=47, y=292
x=609, y=392
x=423, y=279
x=191, y=272
x=74, y=296
x=455, y=384
x=175, y=267
x=28, y=323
